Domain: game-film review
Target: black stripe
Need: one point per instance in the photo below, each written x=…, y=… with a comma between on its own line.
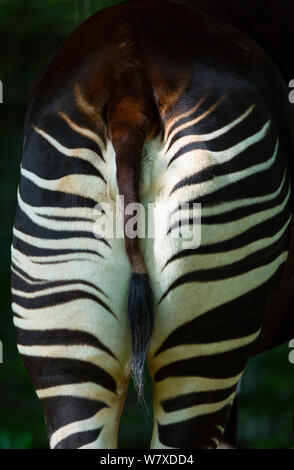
x=20, y=284
x=66, y=219
x=55, y=126
x=213, y=122
x=50, y=372
x=237, y=318
x=28, y=226
x=70, y=260
x=44, y=160
x=258, y=153
x=258, y=184
x=245, y=211
x=39, y=197
x=59, y=337
x=216, y=366
x=63, y=410
x=79, y=439
x=20, y=271
x=266, y=229
x=195, y=433
x=222, y=143
x=17, y=315
x=205, y=106
x=251, y=262
x=31, y=250
x=57, y=298
x=188, y=400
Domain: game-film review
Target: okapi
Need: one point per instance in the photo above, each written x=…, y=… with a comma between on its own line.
x=166, y=106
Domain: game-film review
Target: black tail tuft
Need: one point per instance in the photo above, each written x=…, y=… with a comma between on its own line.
x=141, y=312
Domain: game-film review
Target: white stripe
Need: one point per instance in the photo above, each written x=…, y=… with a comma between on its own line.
x=83, y=153
x=223, y=155
x=178, y=353
x=57, y=290
x=82, y=130
x=190, y=413
x=79, y=426
x=219, y=132
x=222, y=181
x=89, y=390
x=242, y=203
x=193, y=122
x=81, y=185
x=68, y=243
x=58, y=225
x=85, y=353
x=169, y=388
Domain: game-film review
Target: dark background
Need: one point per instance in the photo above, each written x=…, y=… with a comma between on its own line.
x=30, y=32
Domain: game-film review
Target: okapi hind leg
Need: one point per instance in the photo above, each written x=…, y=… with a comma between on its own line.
x=73, y=335
x=191, y=412
x=196, y=363
x=82, y=403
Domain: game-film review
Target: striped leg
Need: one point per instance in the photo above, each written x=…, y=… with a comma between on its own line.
x=194, y=390
x=69, y=295
x=211, y=296
x=74, y=341
x=74, y=345
x=198, y=365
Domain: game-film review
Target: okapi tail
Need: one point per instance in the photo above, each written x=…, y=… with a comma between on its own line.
x=130, y=123
x=141, y=312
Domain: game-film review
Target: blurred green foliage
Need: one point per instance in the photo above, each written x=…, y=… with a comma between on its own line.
x=30, y=31
x=267, y=402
